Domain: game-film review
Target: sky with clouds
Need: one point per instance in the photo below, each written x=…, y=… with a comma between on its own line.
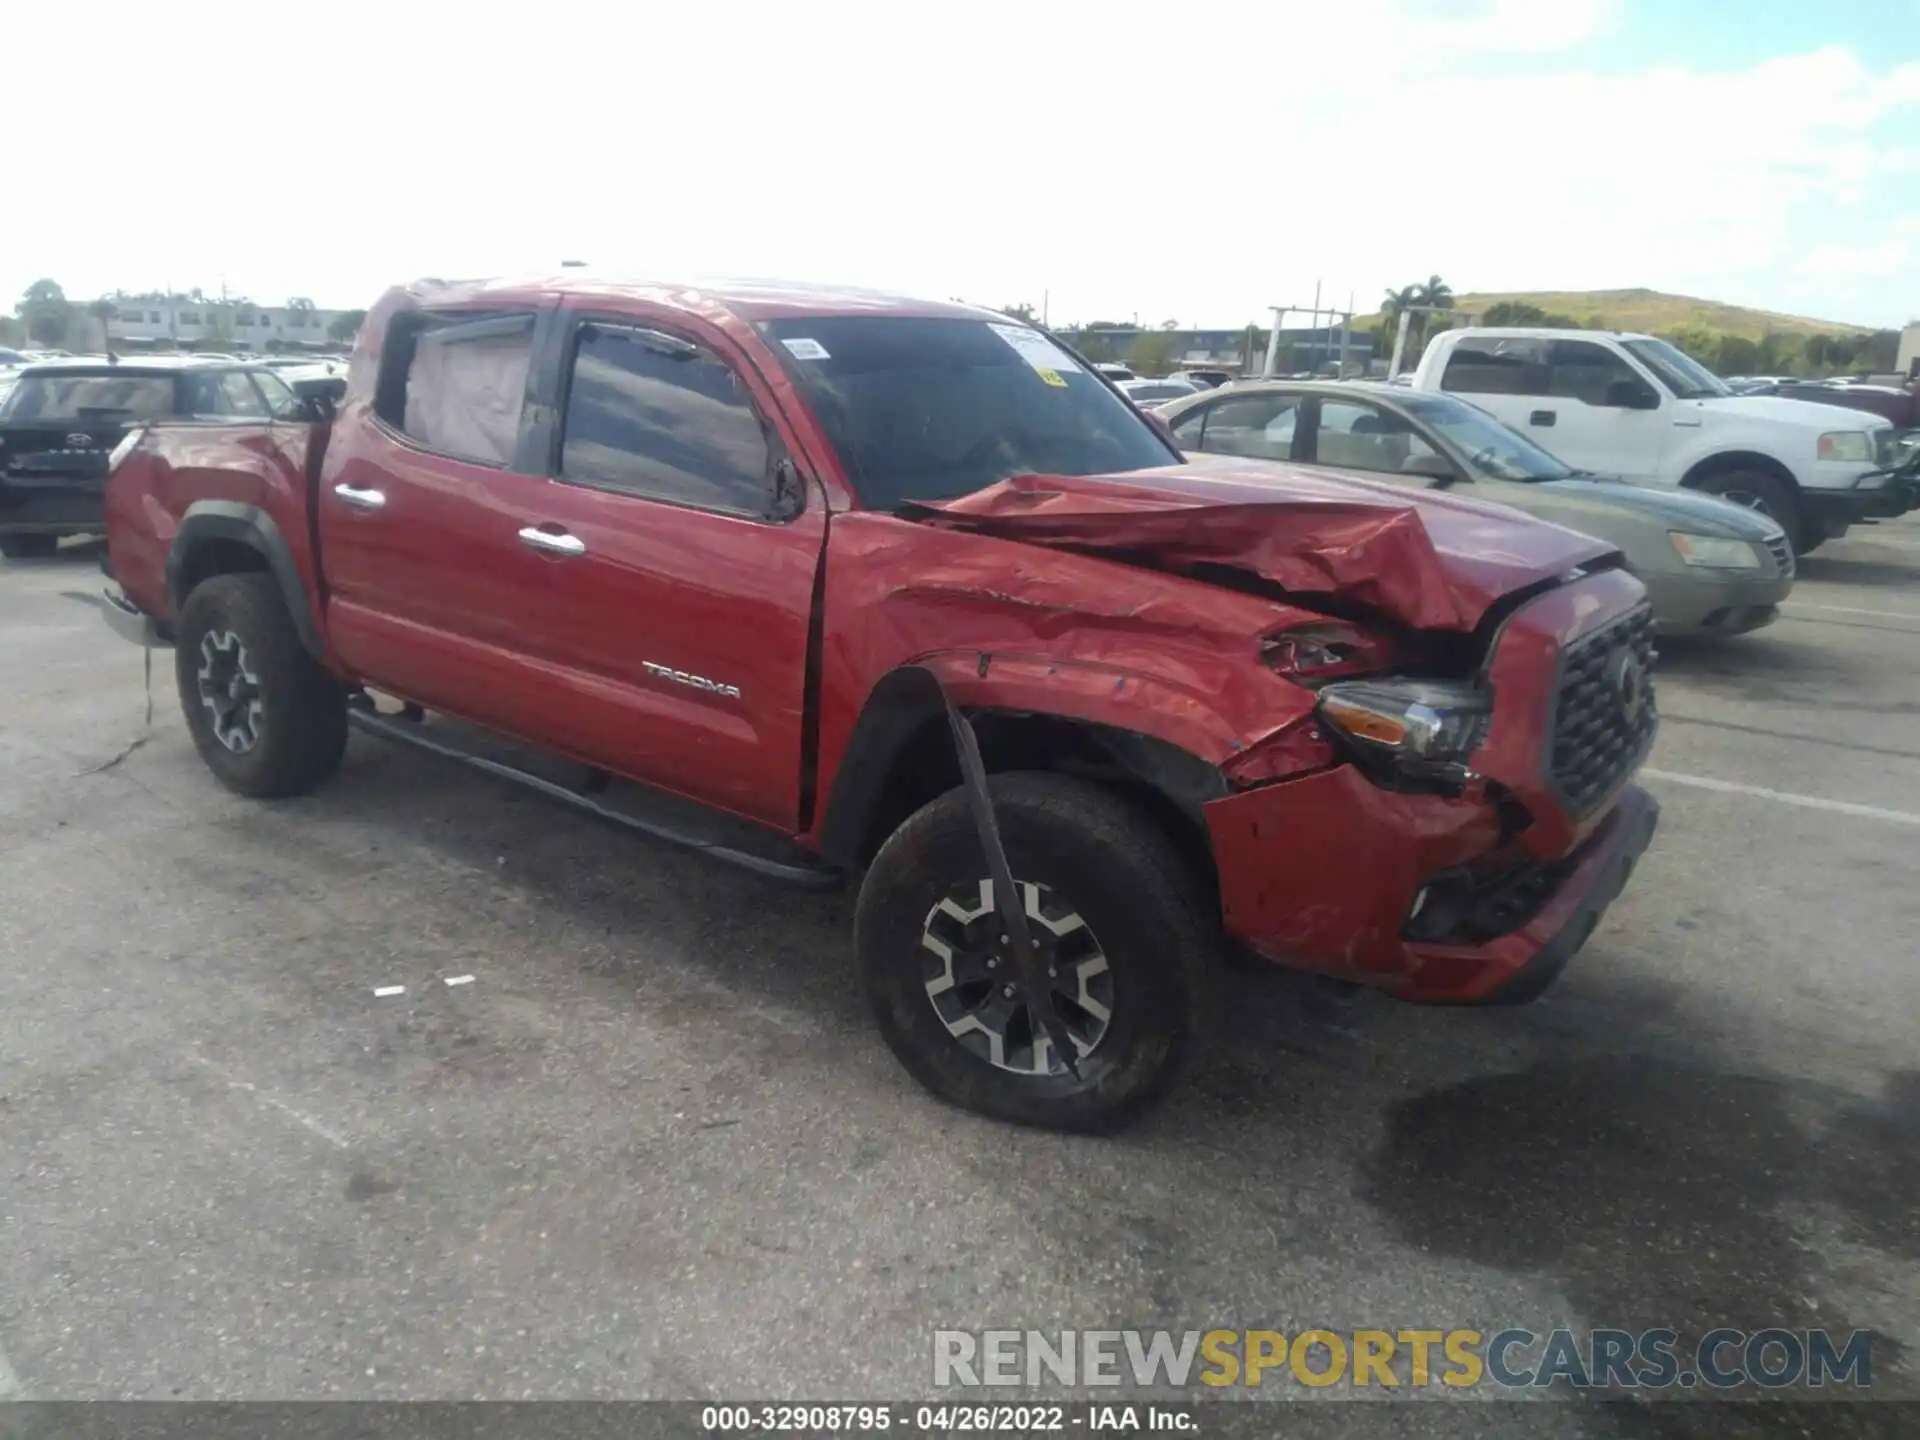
x=1193, y=163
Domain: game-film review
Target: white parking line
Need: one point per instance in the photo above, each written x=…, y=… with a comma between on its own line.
x=332, y=1138
x=1850, y=610
x=1807, y=802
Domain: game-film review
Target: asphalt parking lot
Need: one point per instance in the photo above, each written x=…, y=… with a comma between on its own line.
x=655, y=1149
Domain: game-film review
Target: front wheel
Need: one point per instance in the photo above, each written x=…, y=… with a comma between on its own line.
x=1116, y=914
x=268, y=719
x=1771, y=496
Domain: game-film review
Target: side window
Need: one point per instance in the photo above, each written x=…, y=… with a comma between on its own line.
x=201, y=393
x=1582, y=370
x=282, y=403
x=1259, y=427
x=1359, y=437
x=1496, y=367
x=242, y=398
x=456, y=382
x=1187, y=429
x=652, y=415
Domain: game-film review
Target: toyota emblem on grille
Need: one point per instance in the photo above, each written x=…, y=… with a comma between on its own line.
x=1627, y=678
x=78, y=441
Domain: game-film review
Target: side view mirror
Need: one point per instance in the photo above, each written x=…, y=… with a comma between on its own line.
x=317, y=408
x=1631, y=395
x=1434, y=467
x=1159, y=423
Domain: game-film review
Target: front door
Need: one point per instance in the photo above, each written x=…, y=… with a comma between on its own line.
x=1604, y=415
x=670, y=570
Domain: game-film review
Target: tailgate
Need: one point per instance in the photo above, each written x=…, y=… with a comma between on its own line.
x=58, y=453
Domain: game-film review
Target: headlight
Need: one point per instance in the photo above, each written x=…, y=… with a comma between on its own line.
x=1420, y=728
x=125, y=448
x=1848, y=445
x=1712, y=552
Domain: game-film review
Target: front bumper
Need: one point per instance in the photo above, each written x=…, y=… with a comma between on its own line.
x=131, y=623
x=53, y=509
x=1709, y=602
x=1323, y=873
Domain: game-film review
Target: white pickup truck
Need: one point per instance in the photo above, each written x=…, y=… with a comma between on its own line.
x=1635, y=407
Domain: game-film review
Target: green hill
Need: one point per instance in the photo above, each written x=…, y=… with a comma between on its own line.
x=1655, y=313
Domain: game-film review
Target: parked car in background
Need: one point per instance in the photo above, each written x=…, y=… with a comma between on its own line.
x=11, y=357
x=904, y=586
x=1898, y=405
x=61, y=422
x=1151, y=393
x=320, y=386
x=1709, y=566
x=1635, y=407
x=1113, y=370
x=1204, y=377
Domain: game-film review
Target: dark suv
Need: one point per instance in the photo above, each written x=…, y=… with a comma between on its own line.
x=61, y=420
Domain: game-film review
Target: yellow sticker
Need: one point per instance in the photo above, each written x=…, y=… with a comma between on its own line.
x=1051, y=377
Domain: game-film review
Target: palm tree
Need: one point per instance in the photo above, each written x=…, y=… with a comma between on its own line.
x=1436, y=292
x=1397, y=303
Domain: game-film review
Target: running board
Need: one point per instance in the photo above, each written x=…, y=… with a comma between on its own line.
x=412, y=732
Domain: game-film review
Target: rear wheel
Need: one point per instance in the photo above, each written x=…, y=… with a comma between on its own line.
x=268, y=719
x=28, y=547
x=1768, y=494
x=1117, y=918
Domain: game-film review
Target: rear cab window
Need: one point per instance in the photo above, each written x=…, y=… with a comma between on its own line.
x=1497, y=366
x=455, y=382
x=923, y=408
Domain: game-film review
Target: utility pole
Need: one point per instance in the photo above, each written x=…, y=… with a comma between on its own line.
x=1280, y=313
x=1043, y=309
x=1407, y=312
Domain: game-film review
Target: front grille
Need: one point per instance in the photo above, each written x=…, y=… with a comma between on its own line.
x=1604, y=713
x=1782, y=554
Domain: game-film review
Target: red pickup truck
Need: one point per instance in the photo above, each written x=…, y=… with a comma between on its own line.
x=909, y=590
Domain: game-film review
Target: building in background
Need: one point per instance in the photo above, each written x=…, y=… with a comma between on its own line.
x=1909, y=361
x=161, y=322
x=1242, y=351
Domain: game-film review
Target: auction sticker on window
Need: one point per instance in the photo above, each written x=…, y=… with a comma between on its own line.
x=804, y=349
x=1038, y=351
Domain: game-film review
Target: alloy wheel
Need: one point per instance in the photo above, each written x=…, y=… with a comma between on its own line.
x=230, y=691
x=974, y=986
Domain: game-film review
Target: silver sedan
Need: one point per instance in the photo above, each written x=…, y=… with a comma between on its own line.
x=1711, y=567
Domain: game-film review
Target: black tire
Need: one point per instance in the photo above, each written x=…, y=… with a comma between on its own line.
x=1140, y=901
x=28, y=547
x=298, y=711
x=1768, y=494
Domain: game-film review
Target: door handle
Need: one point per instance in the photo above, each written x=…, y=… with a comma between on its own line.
x=554, y=544
x=1542, y=417
x=360, y=499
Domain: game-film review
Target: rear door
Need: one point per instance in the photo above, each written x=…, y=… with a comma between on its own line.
x=418, y=529
x=1507, y=377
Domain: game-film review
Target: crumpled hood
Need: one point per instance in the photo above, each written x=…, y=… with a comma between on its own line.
x=1426, y=558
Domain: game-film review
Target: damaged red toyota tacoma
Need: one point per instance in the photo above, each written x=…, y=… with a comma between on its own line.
x=907, y=592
